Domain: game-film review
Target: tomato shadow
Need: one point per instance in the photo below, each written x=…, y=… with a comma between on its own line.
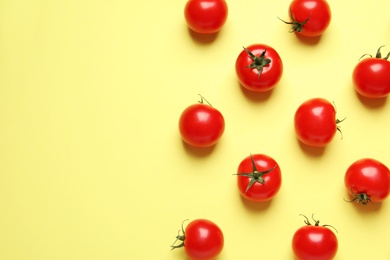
x=255, y=206
x=308, y=40
x=198, y=152
x=202, y=38
x=372, y=103
x=311, y=150
x=255, y=96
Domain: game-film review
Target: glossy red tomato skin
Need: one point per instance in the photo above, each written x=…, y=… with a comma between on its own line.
x=314, y=243
x=204, y=240
x=269, y=77
x=318, y=12
x=368, y=176
x=201, y=125
x=315, y=122
x=371, y=77
x=206, y=16
x=272, y=181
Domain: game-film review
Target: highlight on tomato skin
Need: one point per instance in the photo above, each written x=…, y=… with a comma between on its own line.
x=367, y=181
x=202, y=239
x=206, y=16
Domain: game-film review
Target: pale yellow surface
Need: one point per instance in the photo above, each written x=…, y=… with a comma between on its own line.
x=92, y=166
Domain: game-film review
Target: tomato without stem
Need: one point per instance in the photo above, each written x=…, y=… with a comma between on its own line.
x=202, y=240
x=201, y=125
x=309, y=18
x=314, y=242
x=206, y=16
x=367, y=180
x=371, y=76
x=258, y=178
x=259, y=67
x=315, y=122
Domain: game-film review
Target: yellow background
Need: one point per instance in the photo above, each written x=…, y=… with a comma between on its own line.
x=92, y=165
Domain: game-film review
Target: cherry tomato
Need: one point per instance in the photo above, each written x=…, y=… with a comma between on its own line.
x=371, y=76
x=258, y=178
x=309, y=18
x=201, y=125
x=367, y=180
x=315, y=122
x=314, y=242
x=202, y=240
x=205, y=16
x=259, y=67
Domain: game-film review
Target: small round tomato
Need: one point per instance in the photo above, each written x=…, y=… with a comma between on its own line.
x=315, y=122
x=205, y=16
x=202, y=240
x=314, y=242
x=259, y=67
x=258, y=178
x=371, y=76
x=201, y=125
x=367, y=180
x=309, y=18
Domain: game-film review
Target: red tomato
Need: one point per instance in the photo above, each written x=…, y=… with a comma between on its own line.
x=202, y=240
x=201, y=125
x=371, y=76
x=315, y=122
x=314, y=242
x=258, y=178
x=206, y=16
x=309, y=18
x=367, y=180
x=259, y=67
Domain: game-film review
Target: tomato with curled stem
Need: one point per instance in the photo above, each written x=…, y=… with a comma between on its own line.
x=371, y=76
x=315, y=122
x=314, y=242
x=259, y=177
x=202, y=239
x=201, y=125
x=259, y=67
x=206, y=16
x=367, y=180
x=309, y=18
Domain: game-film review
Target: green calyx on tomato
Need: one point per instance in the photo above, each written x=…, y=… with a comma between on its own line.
x=316, y=222
x=255, y=175
x=378, y=54
x=296, y=25
x=258, y=62
x=362, y=198
x=180, y=237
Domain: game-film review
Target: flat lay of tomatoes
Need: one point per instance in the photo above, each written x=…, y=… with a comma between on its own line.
x=206, y=16
x=259, y=67
x=201, y=125
x=259, y=177
x=202, y=239
x=367, y=180
x=309, y=18
x=314, y=242
x=371, y=76
x=315, y=122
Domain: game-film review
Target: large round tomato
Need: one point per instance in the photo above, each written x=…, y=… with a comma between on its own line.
x=259, y=67
x=315, y=122
x=371, y=76
x=258, y=178
x=202, y=240
x=205, y=16
x=201, y=125
x=309, y=18
x=314, y=242
x=368, y=180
